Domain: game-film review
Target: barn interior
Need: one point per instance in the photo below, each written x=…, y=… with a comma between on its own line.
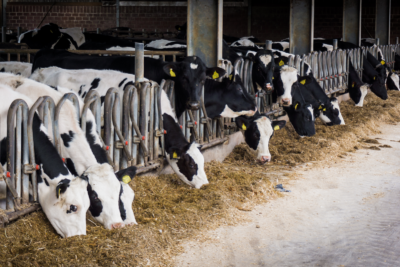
x=167, y=211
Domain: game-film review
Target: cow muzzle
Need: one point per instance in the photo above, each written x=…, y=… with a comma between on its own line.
x=117, y=225
x=193, y=105
x=265, y=159
x=285, y=102
x=269, y=87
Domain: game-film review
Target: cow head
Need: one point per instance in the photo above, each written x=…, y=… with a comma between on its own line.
x=181, y=31
x=393, y=82
x=263, y=69
x=191, y=74
x=357, y=89
x=188, y=164
x=126, y=195
x=375, y=79
x=104, y=194
x=235, y=98
x=257, y=131
x=44, y=37
x=302, y=118
x=378, y=87
x=65, y=205
x=327, y=111
x=284, y=78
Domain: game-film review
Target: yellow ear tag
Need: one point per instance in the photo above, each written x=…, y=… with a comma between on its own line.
x=320, y=107
x=174, y=155
x=352, y=85
x=51, y=31
x=324, y=109
x=374, y=78
x=230, y=77
x=172, y=73
x=179, y=28
x=303, y=82
x=244, y=127
x=276, y=128
x=59, y=192
x=215, y=75
x=383, y=62
x=272, y=78
x=126, y=179
x=295, y=107
x=281, y=63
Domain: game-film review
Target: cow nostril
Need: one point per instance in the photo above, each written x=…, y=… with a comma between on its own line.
x=265, y=159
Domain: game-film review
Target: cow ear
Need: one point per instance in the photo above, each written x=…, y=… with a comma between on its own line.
x=174, y=152
x=305, y=80
x=242, y=123
x=178, y=27
x=215, y=72
x=280, y=61
x=126, y=175
x=277, y=125
x=251, y=56
x=61, y=188
x=171, y=69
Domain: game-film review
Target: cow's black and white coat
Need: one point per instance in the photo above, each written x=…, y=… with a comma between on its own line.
x=357, y=89
x=184, y=158
x=62, y=196
x=83, y=152
x=18, y=68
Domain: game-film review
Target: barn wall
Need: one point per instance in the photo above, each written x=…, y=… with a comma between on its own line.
x=270, y=20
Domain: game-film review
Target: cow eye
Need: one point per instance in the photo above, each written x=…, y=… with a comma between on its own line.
x=192, y=166
x=73, y=208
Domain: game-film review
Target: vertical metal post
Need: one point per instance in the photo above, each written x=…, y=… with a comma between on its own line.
x=377, y=41
x=98, y=30
x=139, y=63
x=382, y=21
x=335, y=44
x=3, y=34
x=268, y=44
x=352, y=21
x=249, y=17
x=301, y=26
x=117, y=12
x=204, y=26
x=4, y=12
x=397, y=40
x=18, y=31
x=83, y=29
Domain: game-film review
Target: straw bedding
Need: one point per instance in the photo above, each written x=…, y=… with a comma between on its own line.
x=169, y=211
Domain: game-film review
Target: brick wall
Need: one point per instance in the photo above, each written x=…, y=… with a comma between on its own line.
x=270, y=20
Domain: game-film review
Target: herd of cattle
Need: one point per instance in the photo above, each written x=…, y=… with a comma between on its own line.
x=82, y=179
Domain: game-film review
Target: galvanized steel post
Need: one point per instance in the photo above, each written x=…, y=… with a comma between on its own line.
x=352, y=21
x=397, y=40
x=3, y=34
x=248, y=17
x=268, y=44
x=382, y=21
x=139, y=63
x=301, y=31
x=204, y=26
x=117, y=12
x=335, y=44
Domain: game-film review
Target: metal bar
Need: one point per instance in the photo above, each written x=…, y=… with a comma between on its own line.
x=249, y=18
x=139, y=63
x=117, y=12
x=382, y=21
x=268, y=44
x=203, y=37
x=352, y=21
x=335, y=44
x=301, y=26
x=3, y=34
x=73, y=98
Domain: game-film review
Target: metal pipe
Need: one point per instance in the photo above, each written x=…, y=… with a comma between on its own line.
x=301, y=26
x=352, y=21
x=98, y=30
x=268, y=44
x=19, y=31
x=248, y=17
x=377, y=41
x=382, y=21
x=335, y=44
x=139, y=63
x=397, y=40
x=3, y=34
x=117, y=12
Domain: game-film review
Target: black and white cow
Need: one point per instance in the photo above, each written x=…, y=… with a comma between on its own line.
x=48, y=36
x=189, y=75
x=228, y=98
x=63, y=197
x=385, y=72
x=263, y=69
x=163, y=44
x=357, y=89
x=258, y=131
x=284, y=78
x=184, y=158
x=281, y=46
x=372, y=77
x=17, y=68
x=83, y=152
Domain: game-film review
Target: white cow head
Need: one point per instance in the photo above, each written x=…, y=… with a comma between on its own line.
x=65, y=205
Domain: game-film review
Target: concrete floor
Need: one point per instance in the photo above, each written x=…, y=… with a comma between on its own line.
x=342, y=214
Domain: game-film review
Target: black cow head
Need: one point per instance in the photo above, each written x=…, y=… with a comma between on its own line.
x=44, y=37
x=357, y=89
x=181, y=31
x=191, y=74
x=263, y=69
x=302, y=118
x=258, y=131
x=393, y=81
x=372, y=77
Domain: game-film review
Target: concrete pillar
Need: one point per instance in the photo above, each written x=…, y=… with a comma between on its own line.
x=249, y=18
x=301, y=32
x=204, y=30
x=352, y=21
x=382, y=21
